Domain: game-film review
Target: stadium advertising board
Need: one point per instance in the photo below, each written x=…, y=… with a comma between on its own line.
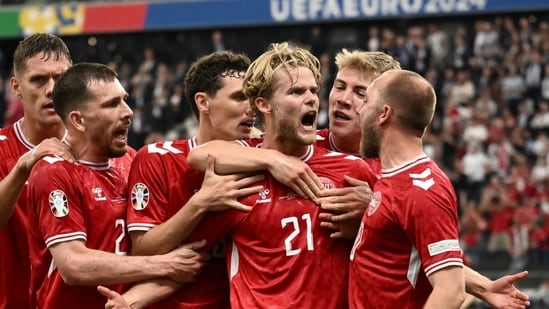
x=87, y=18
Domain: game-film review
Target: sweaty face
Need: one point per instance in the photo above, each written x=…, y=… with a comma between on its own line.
x=34, y=85
x=295, y=106
x=347, y=93
x=230, y=112
x=107, y=119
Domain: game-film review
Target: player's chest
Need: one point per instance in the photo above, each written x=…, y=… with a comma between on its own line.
x=104, y=191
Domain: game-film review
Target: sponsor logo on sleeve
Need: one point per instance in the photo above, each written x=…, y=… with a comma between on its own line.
x=59, y=204
x=442, y=246
x=140, y=196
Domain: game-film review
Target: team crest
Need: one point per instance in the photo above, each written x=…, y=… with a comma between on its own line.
x=59, y=204
x=327, y=182
x=140, y=196
x=374, y=203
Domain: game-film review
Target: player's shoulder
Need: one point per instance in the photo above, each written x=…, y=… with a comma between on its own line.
x=331, y=155
x=49, y=166
x=7, y=137
x=421, y=175
x=322, y=134
x=166, y=149
x=251, y=142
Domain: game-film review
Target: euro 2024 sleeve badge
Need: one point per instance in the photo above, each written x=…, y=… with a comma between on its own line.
x=140, y=196
x=59, y=205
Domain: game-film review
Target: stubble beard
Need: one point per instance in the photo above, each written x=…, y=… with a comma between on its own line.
x=289, y=133
x=370, y=142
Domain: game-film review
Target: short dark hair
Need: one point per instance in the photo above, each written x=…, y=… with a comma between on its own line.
x=206, y=73
x=71, y=89
x=49, y=44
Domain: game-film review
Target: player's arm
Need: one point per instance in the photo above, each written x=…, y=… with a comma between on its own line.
x=140, y=295
x=233, y=158
x=12, y=185
x=79, y=265
x=218, y=192
x=500, y=293
x=448, y=288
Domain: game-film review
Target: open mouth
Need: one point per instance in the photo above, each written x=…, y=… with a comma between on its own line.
x=341, y=116
x=308, y=120
x=247, y=123
x=121, y=134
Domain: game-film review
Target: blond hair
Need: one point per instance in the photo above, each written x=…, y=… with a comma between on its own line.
x=366, y=62
x=259, y=79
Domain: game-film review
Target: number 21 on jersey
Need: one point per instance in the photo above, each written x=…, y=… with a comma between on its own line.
x=294, y=222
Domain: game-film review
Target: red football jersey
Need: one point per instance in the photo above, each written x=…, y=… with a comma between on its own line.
x=280, y=257
x=409, y=231
x=325, y=139
x=74, y=202
x=161, y=182
x=14, y=252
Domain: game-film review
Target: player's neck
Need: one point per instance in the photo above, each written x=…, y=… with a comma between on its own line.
x=397, y=151
x=35, y=133
x=84, y=151
x=284, y=146
x=349, y=145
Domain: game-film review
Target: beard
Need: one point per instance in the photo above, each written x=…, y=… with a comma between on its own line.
x=117, y=152
x=287, y=130
x=370, y=141
x=289, y=133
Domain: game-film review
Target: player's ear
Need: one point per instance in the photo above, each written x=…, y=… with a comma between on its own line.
x=202, y=102
x=15, y=87
x=263, y=105
x=77, y=121
x=387, y=112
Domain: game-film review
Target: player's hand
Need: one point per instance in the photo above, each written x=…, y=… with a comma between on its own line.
x=297, y=175
x=114, y=299
x=343, y=207
x=48, y=147
x=186, y=262
x=502, y=293
x=219, y=192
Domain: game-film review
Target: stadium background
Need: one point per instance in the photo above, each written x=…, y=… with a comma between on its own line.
x=488, y=60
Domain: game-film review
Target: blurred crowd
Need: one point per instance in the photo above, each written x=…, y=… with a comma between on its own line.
x=490, y=131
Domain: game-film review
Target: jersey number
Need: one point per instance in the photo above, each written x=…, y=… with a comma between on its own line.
x=120, y=239
x=294, y=221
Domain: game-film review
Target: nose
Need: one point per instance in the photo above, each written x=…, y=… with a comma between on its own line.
x=49, y=87
x=345, y=98
x=312, y=98
x=127, y=111
x=249, y=111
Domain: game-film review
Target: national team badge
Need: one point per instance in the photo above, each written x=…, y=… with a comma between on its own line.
x=140, y=196
x=327, y=182
x=59, y=204
x=374, y=203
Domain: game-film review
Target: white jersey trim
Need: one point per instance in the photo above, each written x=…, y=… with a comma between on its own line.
x=235, y=259
x=144, y=227
x=403, y=167
x=65, y=237
x=443, y=264
x=20, y=136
